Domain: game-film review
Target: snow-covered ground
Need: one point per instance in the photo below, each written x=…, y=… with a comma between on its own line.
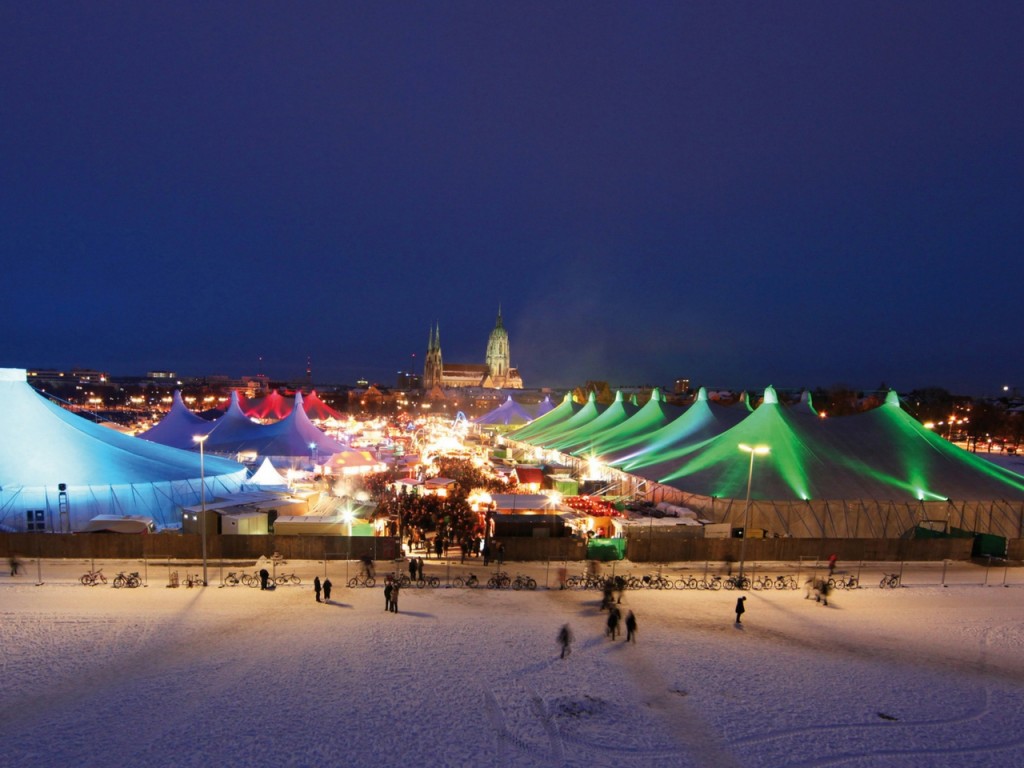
x=918, y=676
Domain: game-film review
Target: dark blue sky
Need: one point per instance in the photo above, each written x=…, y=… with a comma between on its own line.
x=796, y=194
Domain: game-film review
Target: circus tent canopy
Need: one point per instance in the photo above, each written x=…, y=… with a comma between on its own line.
x=317, y=409
x=507, y=414
x=582, y=437
x=44, y=447
x=179, y=427
x=564, y=411
x=289, y=438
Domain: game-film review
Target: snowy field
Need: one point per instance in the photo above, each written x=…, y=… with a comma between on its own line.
x=917, y=676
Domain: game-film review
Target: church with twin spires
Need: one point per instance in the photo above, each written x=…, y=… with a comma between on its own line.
x=495, y=372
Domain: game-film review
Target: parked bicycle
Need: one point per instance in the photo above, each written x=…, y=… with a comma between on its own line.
x=710, y=582
x=130, y=580
x=251, y=579
x=657, y=582
x=523, y=582
x=500, y=580
x=467, y=581
x=191, y=580
x=94, y=578
x=737, y=582
x=361, y=580
x=233, y=579
x=428, y=581
x=890, y=581
x=284, y=579
x=762, y=582
x=843, y=582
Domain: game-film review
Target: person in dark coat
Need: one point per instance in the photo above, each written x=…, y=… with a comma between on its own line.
x=613, y=621
x=327, y=590
x=739, y=608
x=264, y=578
x=438, y=547
x=412, y=568
x=486, y=552
x=388, y=589
x=419, y=569
x=630, y=627
x=565, y=640
x=316, y=588
x=394, y=598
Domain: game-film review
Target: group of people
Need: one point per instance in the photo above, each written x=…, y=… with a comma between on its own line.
x=391, y=590
x=416, y=568
x=326, y=587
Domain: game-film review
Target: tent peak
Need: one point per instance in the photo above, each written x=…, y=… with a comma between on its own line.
x=892, y=398
x=771, y=397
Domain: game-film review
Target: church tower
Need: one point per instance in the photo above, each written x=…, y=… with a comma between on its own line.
x=497, y=358
x=432, y=365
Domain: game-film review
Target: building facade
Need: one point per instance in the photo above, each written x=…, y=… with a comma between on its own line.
x=496, y=372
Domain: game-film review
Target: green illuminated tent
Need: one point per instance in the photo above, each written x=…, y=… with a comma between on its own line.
x=563, y=411
x=583, y=436
x=586, y=413
x=701, y=421
x=654, y=415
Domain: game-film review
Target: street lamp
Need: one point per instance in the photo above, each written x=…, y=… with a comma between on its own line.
x=202, y=496
x=755, y=450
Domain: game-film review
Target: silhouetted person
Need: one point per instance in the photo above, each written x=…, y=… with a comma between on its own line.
x=394, y=598
x=14, y=565
x=832, y=563
x=412, y=568
x=630, y=627
x=613, y=621
x=327, y=590
x=316, y=588
x=264, y=578
x=740, y=610
x=389, y=588
x=565, y=640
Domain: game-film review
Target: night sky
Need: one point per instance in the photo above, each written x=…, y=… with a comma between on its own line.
x=798, y=194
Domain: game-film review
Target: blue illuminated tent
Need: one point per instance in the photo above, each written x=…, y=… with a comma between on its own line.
x=179, y=427
x=44, y=447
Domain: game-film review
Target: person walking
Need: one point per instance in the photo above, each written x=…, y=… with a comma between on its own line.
x=389, y=588
x=740, y=610
x=412, y=568
x=438, y=546
x=14, y=565
x=327, y=590
x=630, y=627
x=613, y=621
x=394, y=597
x=565, y=640
x=316, y=588
x=832, y=564
x=264, y=578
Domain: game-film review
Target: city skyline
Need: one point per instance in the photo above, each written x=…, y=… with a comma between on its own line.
x=743, y=196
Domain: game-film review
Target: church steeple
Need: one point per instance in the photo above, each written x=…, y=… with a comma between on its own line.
x=497, y=358
x=432, y=364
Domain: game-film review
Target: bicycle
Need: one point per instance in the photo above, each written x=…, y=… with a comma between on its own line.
x=843, y=582
x=762, y=582
x=251, y=579
x=686, y=582
x=469, y=581
x=233, y=579
x=130, y=580
x=712, y=583
x=428, y=581
x=283, y=579
x=500, y=580
x=93, y=578
x=191, y=580
x=737, y=582
x=523, y=582
x=890, y=581
x=361, y=581
x=657, y=582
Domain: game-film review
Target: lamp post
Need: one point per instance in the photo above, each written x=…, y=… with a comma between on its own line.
x=202, y=497
x=755, y=450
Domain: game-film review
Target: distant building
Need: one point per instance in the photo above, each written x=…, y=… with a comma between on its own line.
x=496, y=372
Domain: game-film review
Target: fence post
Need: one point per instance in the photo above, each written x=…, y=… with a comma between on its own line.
x=944, y=564
x=988, y=567
x=901, y=573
